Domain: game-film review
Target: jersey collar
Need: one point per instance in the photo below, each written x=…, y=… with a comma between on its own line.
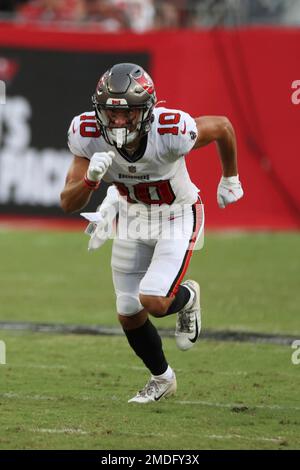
x=138, y=154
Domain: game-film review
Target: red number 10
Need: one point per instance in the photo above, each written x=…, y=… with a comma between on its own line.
x=88, y=126
x=167, y=119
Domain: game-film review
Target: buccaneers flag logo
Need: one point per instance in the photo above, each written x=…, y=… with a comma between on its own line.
x=101, y=82
x=145, y=82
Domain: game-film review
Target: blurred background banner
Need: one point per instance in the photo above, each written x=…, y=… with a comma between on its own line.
x=251, y=75
x=45, y=89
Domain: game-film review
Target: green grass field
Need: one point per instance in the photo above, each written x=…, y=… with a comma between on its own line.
x=71, y=392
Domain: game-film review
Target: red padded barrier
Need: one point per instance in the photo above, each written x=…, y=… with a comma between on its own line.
x=246, y=75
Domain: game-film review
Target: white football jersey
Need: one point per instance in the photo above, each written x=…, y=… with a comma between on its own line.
x=156, y=173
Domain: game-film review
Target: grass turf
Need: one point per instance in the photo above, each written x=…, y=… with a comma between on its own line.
x=70, y=392
x=248, y=282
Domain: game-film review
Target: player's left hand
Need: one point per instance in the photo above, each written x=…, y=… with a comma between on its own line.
x=229, y=190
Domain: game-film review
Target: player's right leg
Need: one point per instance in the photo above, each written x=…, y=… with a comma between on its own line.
x=141, y=334
x=146, y=343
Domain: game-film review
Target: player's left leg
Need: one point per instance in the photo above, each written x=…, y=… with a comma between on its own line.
x=186, y=305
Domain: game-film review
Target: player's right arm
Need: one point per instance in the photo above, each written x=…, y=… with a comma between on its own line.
x=76, y=194
x=83, y=177
x=87, y=169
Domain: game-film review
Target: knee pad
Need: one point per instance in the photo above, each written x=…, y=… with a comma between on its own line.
x=128, y=304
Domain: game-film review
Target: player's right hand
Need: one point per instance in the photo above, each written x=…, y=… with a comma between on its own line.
x=99, y=164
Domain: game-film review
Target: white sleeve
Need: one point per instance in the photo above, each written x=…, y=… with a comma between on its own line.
x=188, y=139
x=179, y=131
x=74, y=139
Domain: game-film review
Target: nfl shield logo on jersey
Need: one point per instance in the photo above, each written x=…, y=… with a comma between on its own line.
x=132, y=169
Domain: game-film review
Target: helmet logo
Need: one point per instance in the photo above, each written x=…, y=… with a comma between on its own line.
x=145, y=82
x=101, y=83
x=116, y=102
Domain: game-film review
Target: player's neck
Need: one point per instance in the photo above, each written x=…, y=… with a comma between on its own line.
x=133, y=146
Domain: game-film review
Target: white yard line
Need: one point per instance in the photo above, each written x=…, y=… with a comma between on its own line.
x=39, y=366
x=59, y=431
x=238, y=436
x=27, y=397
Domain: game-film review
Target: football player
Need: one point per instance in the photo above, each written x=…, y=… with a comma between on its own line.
x=140, y=149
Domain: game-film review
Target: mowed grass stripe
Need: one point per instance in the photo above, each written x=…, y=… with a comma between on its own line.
x=235, y=407
x=214, y=335
x=249, y=282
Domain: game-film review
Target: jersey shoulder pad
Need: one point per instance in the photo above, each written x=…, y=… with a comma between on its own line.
x=82, y=130
x=177, y=128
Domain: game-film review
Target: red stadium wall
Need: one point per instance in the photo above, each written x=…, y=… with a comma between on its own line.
x=246, y=75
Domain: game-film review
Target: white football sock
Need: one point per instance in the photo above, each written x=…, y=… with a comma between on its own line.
x=168, y=375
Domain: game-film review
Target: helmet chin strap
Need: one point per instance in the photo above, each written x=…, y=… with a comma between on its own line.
x=121, y=136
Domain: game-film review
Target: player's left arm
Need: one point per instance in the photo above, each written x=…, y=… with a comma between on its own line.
x=219, y=129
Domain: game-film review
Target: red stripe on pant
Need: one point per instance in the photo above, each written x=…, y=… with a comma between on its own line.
x=188, y=254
